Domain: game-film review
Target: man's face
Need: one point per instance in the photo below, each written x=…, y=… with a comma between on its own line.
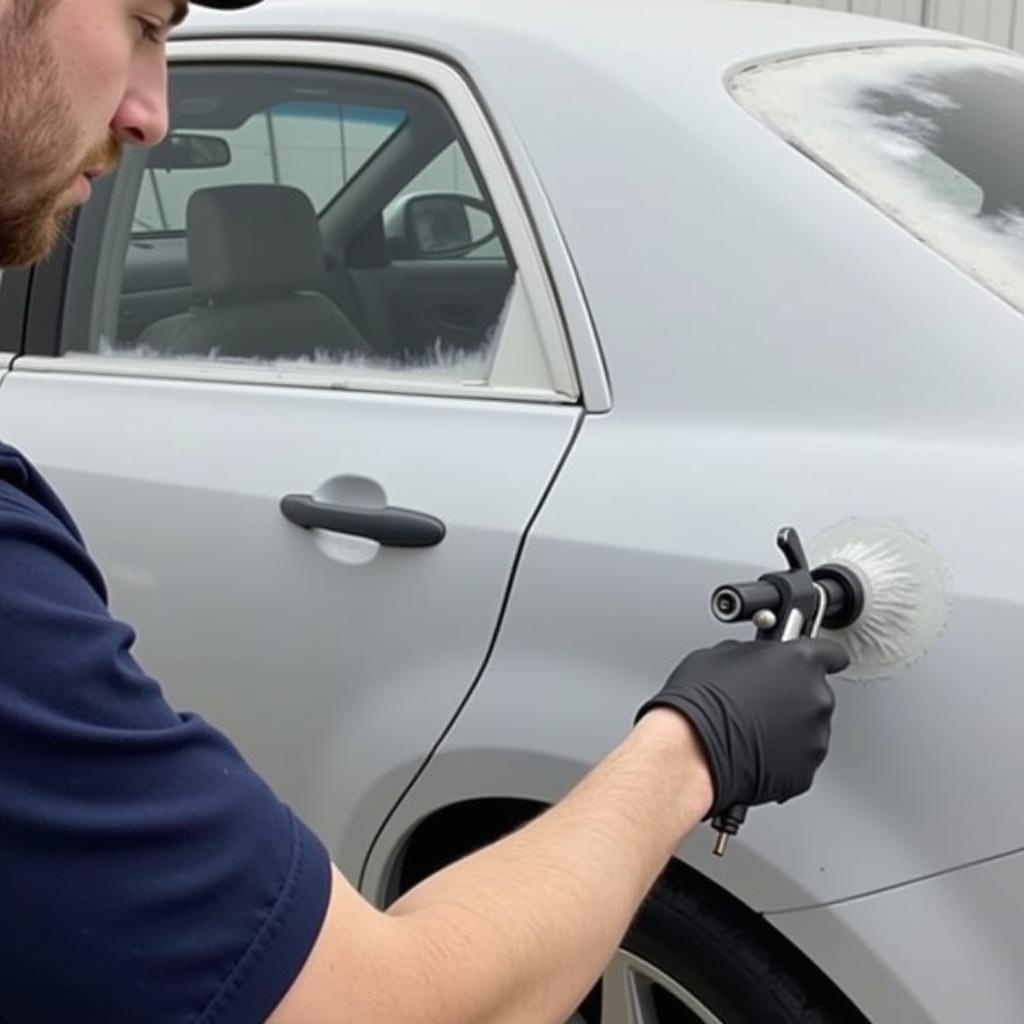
x=78, y=79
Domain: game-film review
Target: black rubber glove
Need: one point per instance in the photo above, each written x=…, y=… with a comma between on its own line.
x=763, y=712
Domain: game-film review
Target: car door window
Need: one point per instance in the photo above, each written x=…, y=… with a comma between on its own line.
x=307, y=220
x=450, y=173
x=315, y=146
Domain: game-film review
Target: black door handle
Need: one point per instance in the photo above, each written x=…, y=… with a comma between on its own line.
x=392, y=527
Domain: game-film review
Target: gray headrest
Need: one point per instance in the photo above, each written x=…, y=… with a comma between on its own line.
x=253, y=238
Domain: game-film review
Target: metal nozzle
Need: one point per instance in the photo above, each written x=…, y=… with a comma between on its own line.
x=740, y=602
x=727, y=604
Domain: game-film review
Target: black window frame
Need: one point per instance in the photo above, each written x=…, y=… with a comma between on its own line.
x=44, y=315
x=14, y=292
x=32, y=300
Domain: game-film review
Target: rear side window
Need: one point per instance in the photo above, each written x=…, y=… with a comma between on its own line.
x=932, y=135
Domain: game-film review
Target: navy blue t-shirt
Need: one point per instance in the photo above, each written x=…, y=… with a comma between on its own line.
x=147, y=874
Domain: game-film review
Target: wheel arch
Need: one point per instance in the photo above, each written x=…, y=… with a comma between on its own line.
x=455, y=830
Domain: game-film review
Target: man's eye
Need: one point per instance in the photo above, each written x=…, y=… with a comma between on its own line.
x=151, y=30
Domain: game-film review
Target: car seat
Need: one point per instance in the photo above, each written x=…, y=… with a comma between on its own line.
x=254, y=253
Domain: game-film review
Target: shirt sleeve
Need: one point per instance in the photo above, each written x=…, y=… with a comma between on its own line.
x=147, y=874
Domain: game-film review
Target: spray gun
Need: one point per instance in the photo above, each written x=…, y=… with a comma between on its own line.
x=785, y=606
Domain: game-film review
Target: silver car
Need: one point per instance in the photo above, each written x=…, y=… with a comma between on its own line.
x=415, y=395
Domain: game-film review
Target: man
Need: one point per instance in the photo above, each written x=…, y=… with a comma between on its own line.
x=148, y=875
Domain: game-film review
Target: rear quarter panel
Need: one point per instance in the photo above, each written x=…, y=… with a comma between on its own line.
x=779, y=353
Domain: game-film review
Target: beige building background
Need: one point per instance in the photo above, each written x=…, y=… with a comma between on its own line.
x=997, y=21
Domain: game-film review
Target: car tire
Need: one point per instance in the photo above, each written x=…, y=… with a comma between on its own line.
x=695, y=955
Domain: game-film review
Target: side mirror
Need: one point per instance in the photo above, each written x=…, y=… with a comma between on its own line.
x=438, y=225
x=184, y=152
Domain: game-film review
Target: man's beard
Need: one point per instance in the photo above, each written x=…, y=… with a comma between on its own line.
x=37, y=135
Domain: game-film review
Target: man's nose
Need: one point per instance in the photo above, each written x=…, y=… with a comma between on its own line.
x=141, y=119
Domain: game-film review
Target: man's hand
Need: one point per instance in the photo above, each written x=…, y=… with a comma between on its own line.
x=763, y=714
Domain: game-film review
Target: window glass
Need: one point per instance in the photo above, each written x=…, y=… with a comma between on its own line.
x=934, y=136
x=447, y=172
x=315, y=146
x=296, y=217
x=450, y=172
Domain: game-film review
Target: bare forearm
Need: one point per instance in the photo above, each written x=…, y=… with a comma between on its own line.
x=519, y=932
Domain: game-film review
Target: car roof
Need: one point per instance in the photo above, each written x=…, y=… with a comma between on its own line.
x=721, y=32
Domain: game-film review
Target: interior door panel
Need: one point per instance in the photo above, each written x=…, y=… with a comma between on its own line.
x=409, y=305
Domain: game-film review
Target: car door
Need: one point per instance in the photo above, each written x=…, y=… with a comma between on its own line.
x=315, y=548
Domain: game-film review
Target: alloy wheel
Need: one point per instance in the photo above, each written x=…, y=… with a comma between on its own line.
x=633, y=991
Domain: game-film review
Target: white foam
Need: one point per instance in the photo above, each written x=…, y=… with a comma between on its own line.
x=818, y=104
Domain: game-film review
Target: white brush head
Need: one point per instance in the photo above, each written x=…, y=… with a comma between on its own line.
x=906, y=606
